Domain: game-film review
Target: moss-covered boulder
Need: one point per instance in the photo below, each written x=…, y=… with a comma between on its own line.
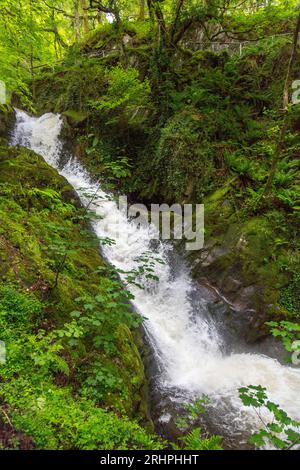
x=249, y=259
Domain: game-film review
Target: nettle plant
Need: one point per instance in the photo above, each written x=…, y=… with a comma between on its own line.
x=279, y=431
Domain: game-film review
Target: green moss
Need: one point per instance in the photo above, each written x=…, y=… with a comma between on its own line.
x=290, y=297
x=75, y=117
x=6, y=118
x=256, y=250
x=134, y=367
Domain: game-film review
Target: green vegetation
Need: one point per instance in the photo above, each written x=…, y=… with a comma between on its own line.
x=289, y=332
x=193, y=438
x=210, y=137
x=181, y=101
x=73, y=374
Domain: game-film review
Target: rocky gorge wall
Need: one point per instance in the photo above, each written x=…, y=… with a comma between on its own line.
x=51, y=267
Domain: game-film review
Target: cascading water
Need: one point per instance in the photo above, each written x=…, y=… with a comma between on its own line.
x=188, y=346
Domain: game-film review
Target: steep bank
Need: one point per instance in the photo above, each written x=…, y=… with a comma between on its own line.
x=72, y=364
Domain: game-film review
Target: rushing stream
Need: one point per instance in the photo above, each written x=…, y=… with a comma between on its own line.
x=188, y=346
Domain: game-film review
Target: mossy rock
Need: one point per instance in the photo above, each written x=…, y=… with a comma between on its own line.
x=6, y=120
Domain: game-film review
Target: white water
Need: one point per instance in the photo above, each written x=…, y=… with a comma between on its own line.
x=186, y=342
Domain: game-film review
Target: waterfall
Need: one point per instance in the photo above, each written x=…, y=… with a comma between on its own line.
x=188, y=346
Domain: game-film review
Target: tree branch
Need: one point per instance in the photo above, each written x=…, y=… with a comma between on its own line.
x=176, y=19
x=97, y=5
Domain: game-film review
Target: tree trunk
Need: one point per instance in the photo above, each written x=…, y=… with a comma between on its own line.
x=162, y=29
x=150, y=10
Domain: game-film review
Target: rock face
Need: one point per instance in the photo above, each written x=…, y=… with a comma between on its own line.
x=250, y=255
x=245, y=300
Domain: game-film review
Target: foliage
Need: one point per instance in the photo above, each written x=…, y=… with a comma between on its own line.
x=113, y=168
x=44, y=34
x=100, y=316
x=290, y=298
x=279, y=429
x=144, y=275
x=127, y=98
x=159, y=116
x=183, y=159
x=195, y=441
